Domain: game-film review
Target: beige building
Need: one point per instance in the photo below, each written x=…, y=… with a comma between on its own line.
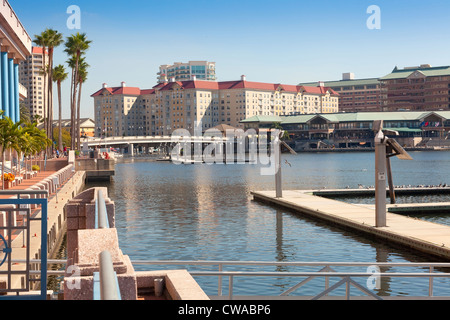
x=30, y=76
x=179, y=71
x=183, y=104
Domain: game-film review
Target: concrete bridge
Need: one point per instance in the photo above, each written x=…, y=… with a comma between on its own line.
x=144, y=140
x=164, y=143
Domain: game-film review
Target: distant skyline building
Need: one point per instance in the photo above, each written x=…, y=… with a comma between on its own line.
x=422, y=88
x=356, y=95
x=192, y=70
x=126, y=111
x=30, y=74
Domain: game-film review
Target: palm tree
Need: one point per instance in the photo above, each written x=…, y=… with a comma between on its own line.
x=54, y=39
x=82, y=76
x=9, y=135
x=76, y=45
x=25, y=115
x=59, y=75
x=35, y=140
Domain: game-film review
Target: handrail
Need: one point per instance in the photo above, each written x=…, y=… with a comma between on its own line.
x=325, y=273
x=101, y=214
x=109, y=288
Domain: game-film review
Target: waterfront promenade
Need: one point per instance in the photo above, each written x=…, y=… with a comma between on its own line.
x=426, y=237
x=70, y=183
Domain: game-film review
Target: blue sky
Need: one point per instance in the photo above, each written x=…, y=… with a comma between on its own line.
x=287, y=41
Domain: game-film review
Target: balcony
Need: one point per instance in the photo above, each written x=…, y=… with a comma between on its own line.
x=23, y=92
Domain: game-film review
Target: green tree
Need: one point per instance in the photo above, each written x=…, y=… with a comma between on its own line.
x=9, y=136
x=65, y=137
x=25, y=115
x=35, y=140
x=59, y=75
x=82, y=77
x=277, y=125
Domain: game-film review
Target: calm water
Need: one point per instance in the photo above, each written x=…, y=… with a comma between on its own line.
x=205, y=212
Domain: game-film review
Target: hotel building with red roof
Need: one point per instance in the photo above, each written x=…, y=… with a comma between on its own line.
x=172, y=105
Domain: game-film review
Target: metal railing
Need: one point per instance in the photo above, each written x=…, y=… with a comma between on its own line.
x=326, y=272
x=22, y=207
x=101, y=214
x=106, y=286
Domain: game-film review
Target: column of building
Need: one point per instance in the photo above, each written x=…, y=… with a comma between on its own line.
x=9, y=82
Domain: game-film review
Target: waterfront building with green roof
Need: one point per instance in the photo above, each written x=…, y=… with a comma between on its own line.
x=354, y=130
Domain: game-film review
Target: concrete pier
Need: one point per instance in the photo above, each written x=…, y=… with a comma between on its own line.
x=85, y=243
x=426, y=237
x=96, y=168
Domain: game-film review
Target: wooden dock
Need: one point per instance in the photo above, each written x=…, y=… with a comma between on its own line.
x=426, y=237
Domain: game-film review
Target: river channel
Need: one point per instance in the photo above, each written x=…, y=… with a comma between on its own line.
x=166, y=211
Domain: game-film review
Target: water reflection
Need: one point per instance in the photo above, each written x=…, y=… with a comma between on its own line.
x=203, y=212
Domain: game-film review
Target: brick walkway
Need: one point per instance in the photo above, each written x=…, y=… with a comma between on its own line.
x=27, y=183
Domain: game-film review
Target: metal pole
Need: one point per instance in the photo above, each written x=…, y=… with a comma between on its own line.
x=390, y=181
x=278, y=183
x=103, y=222
x=380, y=180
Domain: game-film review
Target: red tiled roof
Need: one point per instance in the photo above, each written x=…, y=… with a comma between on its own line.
x=38, y=50
x=213, y=85
x=130, y=91
x=148, y=91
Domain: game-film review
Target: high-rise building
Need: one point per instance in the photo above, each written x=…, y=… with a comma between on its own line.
x=423, y=88
x=199, y=70
x=356, y=95
x=30, y=74
x=176, y=105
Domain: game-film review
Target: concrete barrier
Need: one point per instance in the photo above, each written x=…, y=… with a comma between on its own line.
x=85, y=243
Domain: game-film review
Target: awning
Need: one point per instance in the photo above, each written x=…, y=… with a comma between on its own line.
x=406, y=130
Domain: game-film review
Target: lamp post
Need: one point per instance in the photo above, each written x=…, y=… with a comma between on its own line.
x=380, y=175
x=277, y=146
x=383, y=144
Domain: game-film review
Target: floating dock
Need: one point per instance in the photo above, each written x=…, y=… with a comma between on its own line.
x=426, y=237
x=361, y=192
